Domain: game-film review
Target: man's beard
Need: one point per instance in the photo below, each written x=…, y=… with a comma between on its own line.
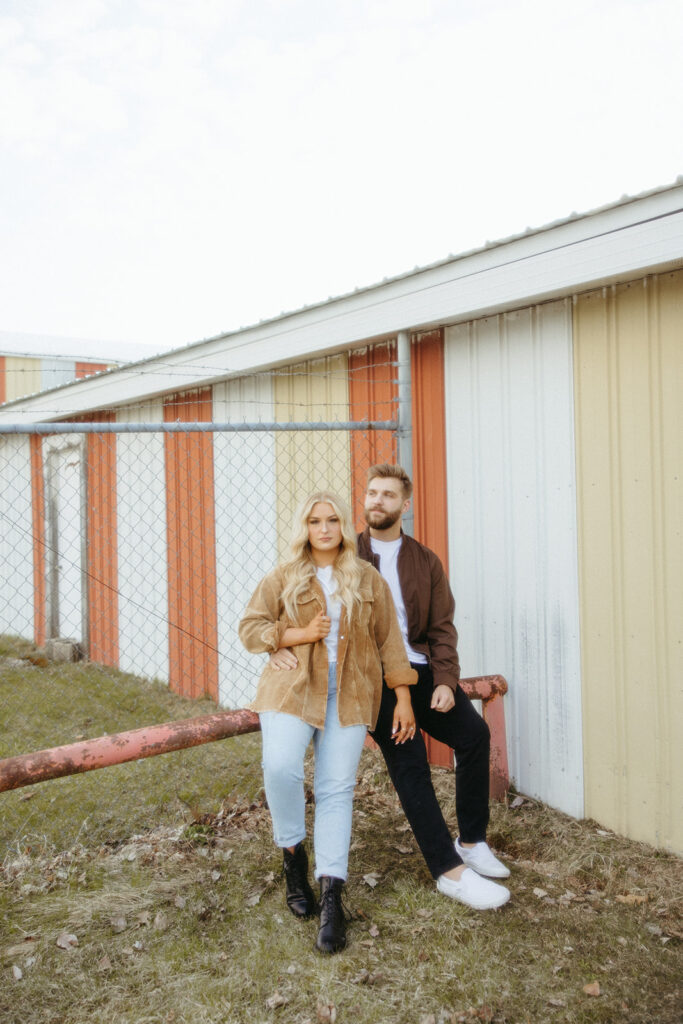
x=386, y=521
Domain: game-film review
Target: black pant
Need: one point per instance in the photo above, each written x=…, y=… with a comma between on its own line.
x=468, y=735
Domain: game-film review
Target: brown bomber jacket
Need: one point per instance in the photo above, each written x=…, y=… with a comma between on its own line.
x=429, y=605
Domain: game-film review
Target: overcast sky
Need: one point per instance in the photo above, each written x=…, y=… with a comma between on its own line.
x=170, y=170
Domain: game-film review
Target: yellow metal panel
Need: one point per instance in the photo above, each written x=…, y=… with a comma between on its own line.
x=317, y=390
x=23, y=376
x=628, y=386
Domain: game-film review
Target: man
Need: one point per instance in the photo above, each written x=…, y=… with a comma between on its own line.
x=425, y=607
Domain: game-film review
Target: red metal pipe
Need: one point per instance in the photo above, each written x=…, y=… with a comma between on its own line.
x=27, y=769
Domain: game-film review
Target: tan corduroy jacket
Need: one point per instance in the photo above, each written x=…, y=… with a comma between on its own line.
x=372, y=644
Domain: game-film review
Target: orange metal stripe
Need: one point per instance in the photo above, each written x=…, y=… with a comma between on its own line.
x=102, y=545
x=87, y=369
x=430, y=501
x=373, y=394
x=192, y=602
x=38, y=528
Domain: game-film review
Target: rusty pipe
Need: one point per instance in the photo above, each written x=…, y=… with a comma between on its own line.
x=133, y=745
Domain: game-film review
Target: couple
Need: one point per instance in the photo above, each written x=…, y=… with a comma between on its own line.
x=366, y=640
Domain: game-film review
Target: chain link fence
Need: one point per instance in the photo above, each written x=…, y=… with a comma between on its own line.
x=130, y=550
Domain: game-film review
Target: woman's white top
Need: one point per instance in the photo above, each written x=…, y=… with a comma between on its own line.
x=334, y=607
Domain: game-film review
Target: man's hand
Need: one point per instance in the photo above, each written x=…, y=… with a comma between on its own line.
x=443, y=698
x=284, y=658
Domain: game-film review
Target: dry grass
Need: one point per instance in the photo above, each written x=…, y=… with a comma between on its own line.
x=185, y=921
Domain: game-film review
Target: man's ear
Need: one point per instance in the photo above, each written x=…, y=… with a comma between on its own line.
x=406, y=506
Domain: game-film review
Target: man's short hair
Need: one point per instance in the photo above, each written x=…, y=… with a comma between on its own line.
x=389, y=470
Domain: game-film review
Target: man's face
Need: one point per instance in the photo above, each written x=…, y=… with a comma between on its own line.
x=384, y=502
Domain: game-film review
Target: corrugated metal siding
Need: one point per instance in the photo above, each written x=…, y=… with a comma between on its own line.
x=142, y=546
x=55, y=372
x=87, y=369
x=316, y=390
x=190, y=511
x=512, y=524
x=22, y=377
x=629, y=388
x=246, y=524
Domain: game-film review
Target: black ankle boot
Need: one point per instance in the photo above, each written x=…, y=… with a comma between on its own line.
x=332, y=934
x=300, y=898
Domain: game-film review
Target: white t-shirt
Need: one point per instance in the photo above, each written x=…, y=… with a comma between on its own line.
x=334, y=606
x=388, y=566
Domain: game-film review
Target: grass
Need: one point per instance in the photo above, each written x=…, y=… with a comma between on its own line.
x=178, y=905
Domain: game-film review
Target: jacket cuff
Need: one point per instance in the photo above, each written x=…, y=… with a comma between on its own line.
x=394, y=679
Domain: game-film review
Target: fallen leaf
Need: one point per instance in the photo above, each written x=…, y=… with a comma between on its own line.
x=104, y=964
x=118, y=925
x=374, y=931
x=26, y=796
x=17, y=972
x=404, y=849
x=179, y=902
x=277, y=999
x=215, y=875
x=144, y=918
x=20, y=949
x=253, y=900
x=161, y=922
x=601, y=832
x=67, y=941
x=632, y=899
x=429, y=1018
x=327, y=1012
x=371, y=879
x=517, y=802
x=592, y=989
x=540, y=893
x=556, y=1002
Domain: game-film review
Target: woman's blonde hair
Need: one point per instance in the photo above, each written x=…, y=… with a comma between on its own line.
x=299, y=568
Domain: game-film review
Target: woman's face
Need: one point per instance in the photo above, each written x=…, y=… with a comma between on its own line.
x=324, y=530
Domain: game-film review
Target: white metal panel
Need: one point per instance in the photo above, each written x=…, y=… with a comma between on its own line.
x=66, y=537
x=55, y=372
x=245, y=490
x=16, y=546
x=618, y=242
x=142, y=548
x=512, y=534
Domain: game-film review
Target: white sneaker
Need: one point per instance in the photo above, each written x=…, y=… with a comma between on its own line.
x=482, y=860
x=473, y=890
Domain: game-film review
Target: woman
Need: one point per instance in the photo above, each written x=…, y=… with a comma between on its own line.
x=339, y=614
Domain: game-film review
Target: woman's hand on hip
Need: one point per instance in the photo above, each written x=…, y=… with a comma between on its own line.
x=285, y=658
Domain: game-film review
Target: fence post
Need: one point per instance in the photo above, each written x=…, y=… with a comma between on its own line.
x=405, y=418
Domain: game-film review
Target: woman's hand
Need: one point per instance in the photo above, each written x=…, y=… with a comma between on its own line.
x=403, y=727
x=285, y=659
x=317, y=628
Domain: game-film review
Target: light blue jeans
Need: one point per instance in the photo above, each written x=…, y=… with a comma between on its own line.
x=337, y=753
